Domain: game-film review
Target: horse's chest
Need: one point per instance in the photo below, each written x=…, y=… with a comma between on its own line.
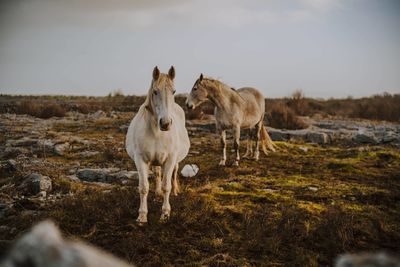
x=157, y=152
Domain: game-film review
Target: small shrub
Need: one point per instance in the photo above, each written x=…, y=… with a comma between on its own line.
x=28, y=107
x=299, y=103
x=279, y=115
x=52, y=110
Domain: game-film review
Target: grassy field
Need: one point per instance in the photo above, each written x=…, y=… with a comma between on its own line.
x=300, y=206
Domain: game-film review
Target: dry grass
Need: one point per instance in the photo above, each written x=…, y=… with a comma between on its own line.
x=377, y=107
x=262, y=213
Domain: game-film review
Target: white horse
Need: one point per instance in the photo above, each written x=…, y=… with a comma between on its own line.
x=157, y=137
x=234, y=109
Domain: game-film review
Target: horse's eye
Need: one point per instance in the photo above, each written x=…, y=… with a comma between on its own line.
x=155, y=92
x=194, y=88
x=173, y=92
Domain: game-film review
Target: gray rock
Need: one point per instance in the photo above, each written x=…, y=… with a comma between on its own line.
x=44, y=245
x=365, y=138
x=25, y=141
x=97, y=115
x=278, y=135
x=367, y=259
x=109, y=175
x=390, y=136
x=318, y=138
x=88, y=154
x=60, y=149
x=38, y=183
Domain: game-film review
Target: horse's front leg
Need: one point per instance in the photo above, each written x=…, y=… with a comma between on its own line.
x=236, y=145
x=175, y=181
x=143, y=170
x=167, y=170
x=223, y=145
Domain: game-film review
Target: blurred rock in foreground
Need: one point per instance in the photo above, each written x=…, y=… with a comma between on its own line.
x=44, y=246
x=367, y=260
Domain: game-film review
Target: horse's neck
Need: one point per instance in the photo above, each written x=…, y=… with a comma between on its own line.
x=223, y=96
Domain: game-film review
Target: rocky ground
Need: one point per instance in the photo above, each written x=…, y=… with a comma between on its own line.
x=331, y=188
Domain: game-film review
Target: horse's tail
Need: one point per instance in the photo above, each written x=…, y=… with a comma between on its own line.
x=266, y=141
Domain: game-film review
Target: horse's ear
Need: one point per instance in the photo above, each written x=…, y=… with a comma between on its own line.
x=201, y=77
x=156, y=73
x=171, y=73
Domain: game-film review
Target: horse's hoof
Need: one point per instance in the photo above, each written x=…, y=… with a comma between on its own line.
x=142, y=219
x=175, y=192
x=222, y=163
x=236, y=163
x=164, y=217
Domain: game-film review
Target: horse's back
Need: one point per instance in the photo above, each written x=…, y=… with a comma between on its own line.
x=254, y=99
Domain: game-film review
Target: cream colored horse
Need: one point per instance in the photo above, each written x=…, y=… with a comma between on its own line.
x=234, y=109
x=157, y=137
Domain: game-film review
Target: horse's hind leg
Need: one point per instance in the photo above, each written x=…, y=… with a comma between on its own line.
x=236, y=145
x=249, y=147
x=167, y=170
x=157, y=172
x=223, y=145
x=257, y=137
x=175, y=182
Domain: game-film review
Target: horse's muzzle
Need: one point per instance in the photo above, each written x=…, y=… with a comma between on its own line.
x=165, y=124
x=189, y=106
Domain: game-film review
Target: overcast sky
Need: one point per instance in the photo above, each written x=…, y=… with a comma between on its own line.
x=328, y=48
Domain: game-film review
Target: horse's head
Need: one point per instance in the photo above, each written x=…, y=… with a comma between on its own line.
x=198, y=94
x=161, y=97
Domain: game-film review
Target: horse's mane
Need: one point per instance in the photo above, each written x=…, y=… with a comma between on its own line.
x=219, y=84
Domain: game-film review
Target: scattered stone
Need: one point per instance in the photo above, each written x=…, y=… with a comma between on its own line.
x=37, y=183
x=97, y=115
x=60, y=149
x=24, y=141
x=313, y=188
x=190, y=170
x=269, y=190
x=88, y=154
x=304, y=149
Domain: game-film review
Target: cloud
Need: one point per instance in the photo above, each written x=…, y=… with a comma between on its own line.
x=144, y=14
